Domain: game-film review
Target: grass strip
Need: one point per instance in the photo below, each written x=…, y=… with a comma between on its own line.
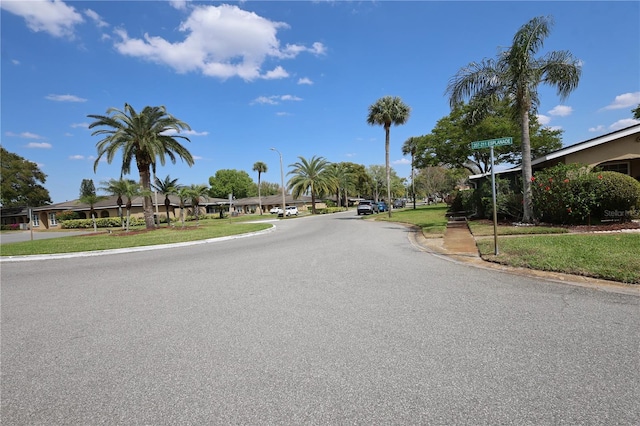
x=611, y=256
x=102, y=240
x=431, y=218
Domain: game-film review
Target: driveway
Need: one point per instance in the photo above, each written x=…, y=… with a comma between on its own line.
x=19, y=236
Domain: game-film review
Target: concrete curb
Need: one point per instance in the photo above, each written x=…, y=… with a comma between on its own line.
x=128, y=250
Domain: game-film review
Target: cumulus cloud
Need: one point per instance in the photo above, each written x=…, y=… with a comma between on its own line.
x=39, y=145
x=81, y=125
x=626, y=100
x=220, y=41
x=543, y=119
x=402, y=161
x=24, y=135
x=76, y=157
x=624, y=123
x=65, y=98
x=561, y=111
x=598, y=128
x=172, y=132
x=178, y=4
x=305, y=80
x=100, y=23
x=15, y=62
x=51, y=16
x=282, y=114
x=275, y=99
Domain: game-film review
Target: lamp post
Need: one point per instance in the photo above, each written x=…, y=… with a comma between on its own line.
x=284, y=209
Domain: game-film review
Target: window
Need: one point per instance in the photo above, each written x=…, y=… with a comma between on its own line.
x=615, y=167
x=35, y=219
x=52, y=219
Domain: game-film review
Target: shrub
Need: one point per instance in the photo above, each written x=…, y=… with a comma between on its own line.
x=66, y=215
x=618, y=196
x=102, y=222
x=10, y=227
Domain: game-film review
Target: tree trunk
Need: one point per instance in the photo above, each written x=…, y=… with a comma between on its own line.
x=259, y=196
x=167, y=203
x=386, y=158
x=527, y=201
x=147, y=203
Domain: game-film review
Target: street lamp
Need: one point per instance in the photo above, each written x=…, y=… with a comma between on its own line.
x=284, y=209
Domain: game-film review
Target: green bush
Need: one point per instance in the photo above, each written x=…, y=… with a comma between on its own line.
x=102, y=222
x=618, y=195
x=571, y=194
x=66, y=215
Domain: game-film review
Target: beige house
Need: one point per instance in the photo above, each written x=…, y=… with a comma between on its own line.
x=617, y=151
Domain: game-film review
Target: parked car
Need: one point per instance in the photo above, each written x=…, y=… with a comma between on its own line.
x=399, y=203
x=367, y=207
x=275, y=210
x=382, y=206
x=291, y=211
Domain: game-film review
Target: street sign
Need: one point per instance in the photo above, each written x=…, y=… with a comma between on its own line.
x=491, y=142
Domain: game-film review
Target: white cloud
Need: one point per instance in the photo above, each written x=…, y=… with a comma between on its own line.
x=402, y=161
x=282, y=114
x=76, y=157
x=172, y=132
x=625, y=100
x=15, y=62
x=43, y=145
x=53, y=17
x=305, y=80
x=65, y=98
x=178, y=4
x=220, y=41
x=82, y=125
x=598, y=128
x=275, y=99
x=24, y=135
x=543, y=119
x=100, y=23
x=624, y=123
x=561, y=111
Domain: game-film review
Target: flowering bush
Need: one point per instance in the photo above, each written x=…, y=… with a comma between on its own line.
x=66, y=215
x=572, y=194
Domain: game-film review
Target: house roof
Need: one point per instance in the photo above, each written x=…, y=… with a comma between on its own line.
x=589, y=144
x=580, y=146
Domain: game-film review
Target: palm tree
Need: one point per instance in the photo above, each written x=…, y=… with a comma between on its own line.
x=341, y=177
x=144, y=137
x=259, y=167
x=183, y=195
x=115, y=187
x=515, y=75
x=195, y=192
x=130, y=189
x=385, y=112
x=167, y=186
x=309, y=176
x=92, y=200
x=409, y=147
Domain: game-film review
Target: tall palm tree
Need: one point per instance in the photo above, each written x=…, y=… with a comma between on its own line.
x=409, y=147
x=385, y=112
x=309, y=176
x=143, y=136
x=515, y=75
x=259, y=167
x=184, y=195
x=168, y=187
x=341, y=176
x=131, y=189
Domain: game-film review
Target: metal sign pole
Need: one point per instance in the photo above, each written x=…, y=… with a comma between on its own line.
x=495, y=214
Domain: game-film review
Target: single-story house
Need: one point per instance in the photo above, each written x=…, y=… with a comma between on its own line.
x=617, y=151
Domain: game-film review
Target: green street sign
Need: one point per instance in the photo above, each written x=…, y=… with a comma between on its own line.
x=491, y=142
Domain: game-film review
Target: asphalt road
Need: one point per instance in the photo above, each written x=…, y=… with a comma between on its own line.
x=326, y=320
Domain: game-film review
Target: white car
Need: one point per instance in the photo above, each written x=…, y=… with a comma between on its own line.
x=291, y=211
x=275, y=210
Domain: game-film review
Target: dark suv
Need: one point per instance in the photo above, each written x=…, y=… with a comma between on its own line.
x=367, y=207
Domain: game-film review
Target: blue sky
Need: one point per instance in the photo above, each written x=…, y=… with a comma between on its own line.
x=297, y=76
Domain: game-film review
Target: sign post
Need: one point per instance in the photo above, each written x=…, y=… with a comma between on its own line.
x=490, y=143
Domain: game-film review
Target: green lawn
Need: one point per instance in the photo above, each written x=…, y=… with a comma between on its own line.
x=102, y=240
x=431, y=218
x=606, y=256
